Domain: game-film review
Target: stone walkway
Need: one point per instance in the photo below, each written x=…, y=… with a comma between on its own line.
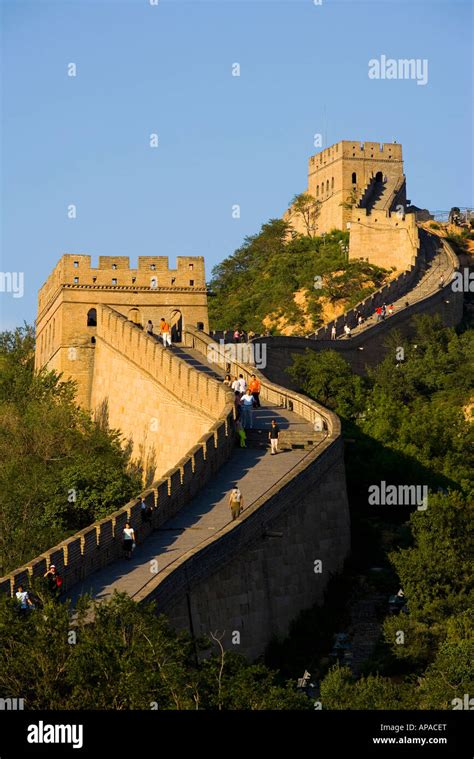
x=255, y=470
x=438, y=265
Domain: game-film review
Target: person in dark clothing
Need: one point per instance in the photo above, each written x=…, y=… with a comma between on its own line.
x=273, y=437
x=55, y=581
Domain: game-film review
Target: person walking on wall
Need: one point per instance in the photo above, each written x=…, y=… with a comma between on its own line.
x=236, y=502
x=254, y=387
x=273, y=437
x=333, y=332
x=247, y=410
x=242, y=384
x=165, y=332
x=149, y=327
x=128, y=540
x=241, y=434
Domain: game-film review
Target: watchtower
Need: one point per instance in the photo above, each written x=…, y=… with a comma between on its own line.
x=362, y=174
x=66, y=323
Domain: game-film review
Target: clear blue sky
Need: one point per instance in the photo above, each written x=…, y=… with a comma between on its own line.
x=223, y=140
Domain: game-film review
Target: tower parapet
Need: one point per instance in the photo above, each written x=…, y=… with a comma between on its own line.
x=67, y=306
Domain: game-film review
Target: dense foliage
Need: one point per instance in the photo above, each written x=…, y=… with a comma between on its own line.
x=119, y=655
x=59, y=470
x=410, y=421
x=262, y=276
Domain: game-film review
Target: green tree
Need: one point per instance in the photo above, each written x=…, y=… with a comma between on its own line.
x=59, y=470
x=307, y=209
x=327, y=377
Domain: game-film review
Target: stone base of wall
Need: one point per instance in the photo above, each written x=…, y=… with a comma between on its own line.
x=270, y=574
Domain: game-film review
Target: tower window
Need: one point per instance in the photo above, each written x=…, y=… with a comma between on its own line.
x=114, y=266
x=153, y=267
x=191, y=267
x=92, y=317
x=114, y=281
x=191, y=282
x=173, y=280
x=153, y=282
x=76, y=280
x=76, y=264
x=94, y=279
x=354, y=178
x=134, y=279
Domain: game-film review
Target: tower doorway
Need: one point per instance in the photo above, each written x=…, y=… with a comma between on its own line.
x=176, y=322
x=134, y=316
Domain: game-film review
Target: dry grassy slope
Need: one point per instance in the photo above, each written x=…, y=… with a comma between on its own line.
x=330, y=310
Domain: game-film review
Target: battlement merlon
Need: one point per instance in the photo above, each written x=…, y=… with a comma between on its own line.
x=115, y=270
x=382, y=151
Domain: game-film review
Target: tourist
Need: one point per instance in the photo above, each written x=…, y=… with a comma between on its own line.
x=254, y=387
x=241, y=433
x=247, y=410
x=378, y=313
x=237, y=404
x=128, y=540
x=236, y=502
x=273, y=437
x=146, y=511
x=384, y=310
x=165, y=332
x=23, y=599
x=360, y=319
x=149, y=327
x=236, y=385
x=333, y=332
x=54, y=579
x=227, y=380
x=390, y=310
x=242, y=384
x=250, y=335
x=236, y=336
x=347, y=330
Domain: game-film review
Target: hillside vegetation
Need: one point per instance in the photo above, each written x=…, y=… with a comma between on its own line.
x=59, y=470
x=288, y=283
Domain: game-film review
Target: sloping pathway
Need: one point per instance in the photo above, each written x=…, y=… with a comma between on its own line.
x=255, y=470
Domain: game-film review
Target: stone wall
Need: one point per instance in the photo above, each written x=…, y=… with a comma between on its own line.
x=383, y=238
x=156, y=400
x=137, y=358
x=258, y=573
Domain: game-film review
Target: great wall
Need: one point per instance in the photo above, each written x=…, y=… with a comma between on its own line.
x=254, y=575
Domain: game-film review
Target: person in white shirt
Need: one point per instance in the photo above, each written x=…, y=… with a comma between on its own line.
x=236, y=385
x=247, y=402
x=23, y=598
x=242, y=384
x=128, y=540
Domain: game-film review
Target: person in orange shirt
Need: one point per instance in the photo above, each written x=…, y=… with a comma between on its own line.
x=254, y=388
x=165, y=332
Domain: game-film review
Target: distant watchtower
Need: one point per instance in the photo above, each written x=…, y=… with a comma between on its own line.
x=364, y=174
x=67, y=306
